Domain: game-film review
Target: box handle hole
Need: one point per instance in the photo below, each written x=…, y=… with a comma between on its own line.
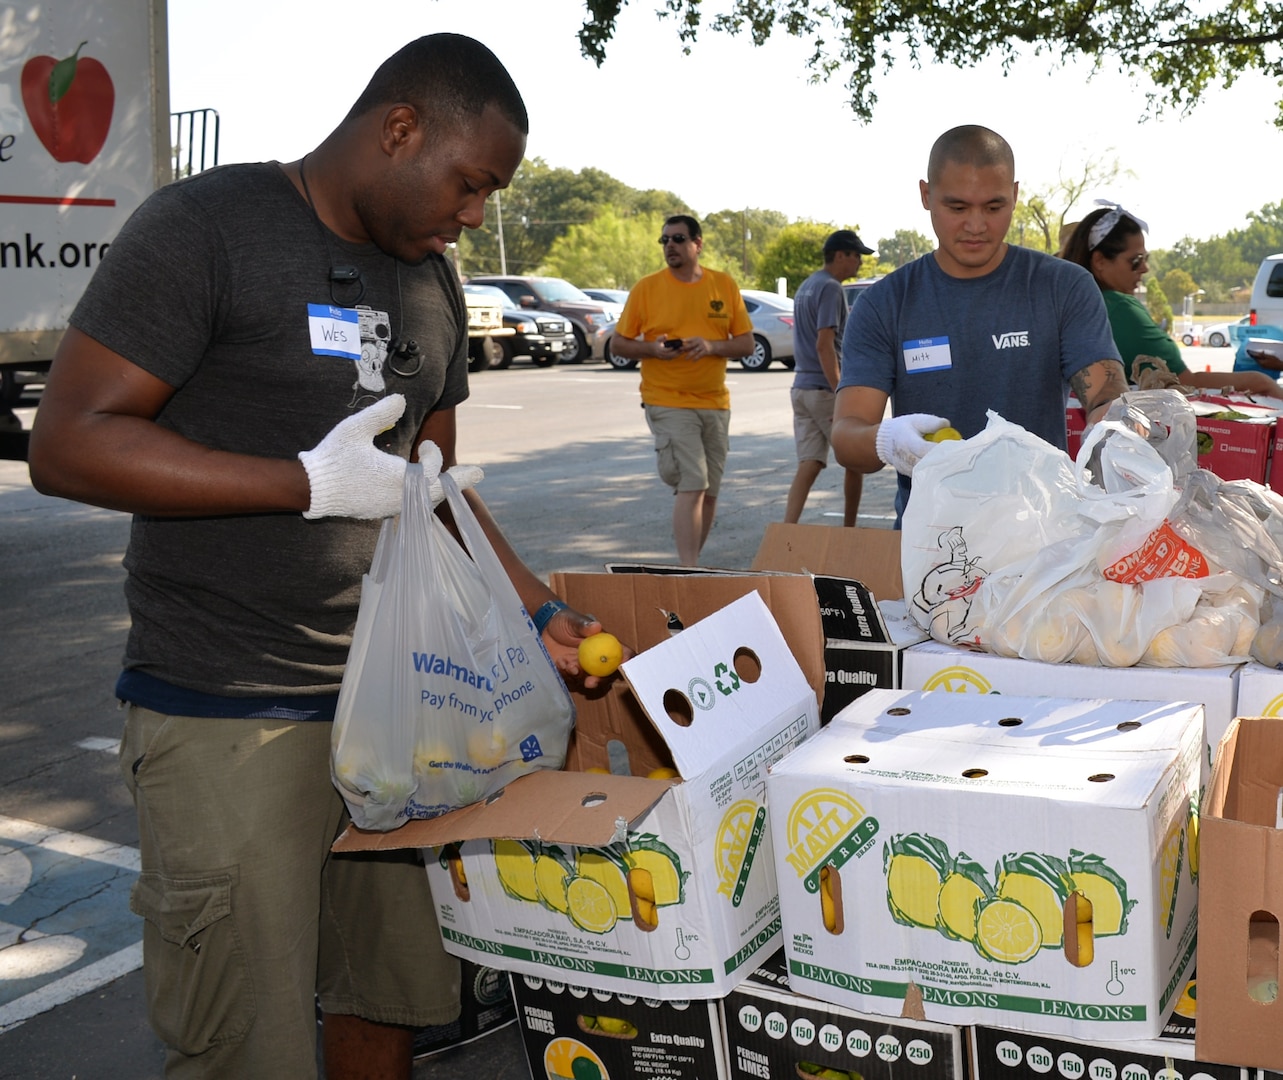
x=1263, y=958
x=831, y=899
x=679, y=708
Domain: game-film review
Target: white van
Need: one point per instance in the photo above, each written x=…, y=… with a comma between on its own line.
x=1267, y=293
x=1260, y=346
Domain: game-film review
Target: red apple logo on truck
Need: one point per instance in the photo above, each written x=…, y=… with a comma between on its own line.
x=69, y=103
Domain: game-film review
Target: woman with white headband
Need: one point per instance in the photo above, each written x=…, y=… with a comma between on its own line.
x=1110, y=242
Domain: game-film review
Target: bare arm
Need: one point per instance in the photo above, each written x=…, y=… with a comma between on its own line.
x=96, y=440
x=856, y=415
x=1096, y=385
x=1247, y=382
x=826, y=347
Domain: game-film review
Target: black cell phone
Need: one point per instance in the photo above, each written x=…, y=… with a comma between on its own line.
x=673, y=343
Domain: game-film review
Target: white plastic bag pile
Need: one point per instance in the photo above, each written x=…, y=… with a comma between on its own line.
x=1011, y=547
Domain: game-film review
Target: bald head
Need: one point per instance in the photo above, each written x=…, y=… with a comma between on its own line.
x=972, y=145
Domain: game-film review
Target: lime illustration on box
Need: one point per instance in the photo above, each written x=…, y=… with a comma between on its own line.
x=622, y=883
x=1018, y=863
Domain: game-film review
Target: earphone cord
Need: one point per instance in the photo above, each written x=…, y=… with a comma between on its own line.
x=407, y=348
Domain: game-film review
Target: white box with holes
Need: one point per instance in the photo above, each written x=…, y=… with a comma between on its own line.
x=967, y=859
x=662, y=888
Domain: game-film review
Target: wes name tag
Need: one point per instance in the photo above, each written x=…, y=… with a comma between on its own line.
x=334, y=331
x=927, y=354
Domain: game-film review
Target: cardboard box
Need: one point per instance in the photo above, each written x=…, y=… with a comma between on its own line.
x=935, y=666
x=1235, y=449
x=857, y=579
x=1260, y=691
x=872, y=556
x=1274, y=475
x=1001, y=1055
x=562, y=1024
x=866, y=625
x=1075, y=425
x=935, y=840
x=1007, y=1055
x=1241, y=867
x=773, y=1033
x=549, y=864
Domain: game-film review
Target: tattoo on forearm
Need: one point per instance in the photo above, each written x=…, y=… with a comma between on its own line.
x=1098, y=383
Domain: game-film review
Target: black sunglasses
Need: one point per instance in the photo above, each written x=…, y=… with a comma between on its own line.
x=675, y=238
x=1137, y=260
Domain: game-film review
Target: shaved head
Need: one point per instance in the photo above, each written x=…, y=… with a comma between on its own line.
x=973, y=145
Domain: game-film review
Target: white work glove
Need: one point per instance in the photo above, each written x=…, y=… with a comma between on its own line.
x=465, y=476
x=351, y=477
x=900, y=443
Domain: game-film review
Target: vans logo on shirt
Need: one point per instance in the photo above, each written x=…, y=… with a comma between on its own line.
x=1012, y=339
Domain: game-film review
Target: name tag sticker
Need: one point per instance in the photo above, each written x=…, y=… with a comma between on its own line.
x=927, y=354
x=334, y=331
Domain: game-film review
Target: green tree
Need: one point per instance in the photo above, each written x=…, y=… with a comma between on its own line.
x=1160, y=310
x=1176, y=285
x=540, y=205
x=1043, y=212
x=1184, y=49
x=795, y=253
x=734, y=240
x=610, y=252
x=903, y=246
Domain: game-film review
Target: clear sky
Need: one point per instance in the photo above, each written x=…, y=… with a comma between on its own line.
x=732, y=125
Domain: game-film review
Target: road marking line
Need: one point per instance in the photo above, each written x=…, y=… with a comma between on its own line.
x=69, y=843
x=99, y=742
x=482, y=405
x=71, y=986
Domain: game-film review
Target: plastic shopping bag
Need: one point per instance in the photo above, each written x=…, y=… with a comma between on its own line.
x=449, y=692
x=1015, y=550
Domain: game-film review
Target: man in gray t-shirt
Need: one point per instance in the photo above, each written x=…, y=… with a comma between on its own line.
x=975, y=325
x=819, y=315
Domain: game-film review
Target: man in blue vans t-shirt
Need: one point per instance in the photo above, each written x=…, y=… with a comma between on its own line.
x=978, y=324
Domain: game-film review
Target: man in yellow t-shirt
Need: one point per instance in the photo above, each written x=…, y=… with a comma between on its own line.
x=683, y=323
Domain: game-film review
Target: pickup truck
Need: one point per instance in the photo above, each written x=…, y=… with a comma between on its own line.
x=485, y=323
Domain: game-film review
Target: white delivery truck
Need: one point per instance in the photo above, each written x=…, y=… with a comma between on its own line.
x=84, y=139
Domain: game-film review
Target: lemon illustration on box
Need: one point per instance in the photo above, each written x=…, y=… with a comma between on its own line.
x=1008, y=921
x=594, y=887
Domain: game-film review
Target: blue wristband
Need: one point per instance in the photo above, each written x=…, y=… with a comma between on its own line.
x=544, y=615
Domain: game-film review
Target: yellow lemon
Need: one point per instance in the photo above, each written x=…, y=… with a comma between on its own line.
x=943, y=435
x=600, y=654
x=663, y=773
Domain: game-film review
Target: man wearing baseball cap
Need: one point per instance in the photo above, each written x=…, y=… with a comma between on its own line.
x=819, y=311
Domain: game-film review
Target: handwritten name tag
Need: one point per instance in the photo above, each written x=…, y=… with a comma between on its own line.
x=927, y=354
x=335, y=331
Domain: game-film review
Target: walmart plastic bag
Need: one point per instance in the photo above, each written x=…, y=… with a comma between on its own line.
x=448, y=693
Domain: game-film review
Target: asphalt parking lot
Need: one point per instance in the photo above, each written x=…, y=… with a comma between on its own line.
x=570, y=475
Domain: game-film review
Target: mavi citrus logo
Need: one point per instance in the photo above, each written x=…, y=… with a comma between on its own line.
x=818, y=822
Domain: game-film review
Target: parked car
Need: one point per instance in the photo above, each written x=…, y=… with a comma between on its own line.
x=1216, y=335
x=853, y=289
x=609, y=296
x=772, y=317
x=544, y=336
x=587, y=316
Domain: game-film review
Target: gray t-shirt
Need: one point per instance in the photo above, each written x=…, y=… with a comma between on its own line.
x=957, y=347
x=818, y=304
x=219, y=286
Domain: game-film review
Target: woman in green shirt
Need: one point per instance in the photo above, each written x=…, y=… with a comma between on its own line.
x=1110, y=242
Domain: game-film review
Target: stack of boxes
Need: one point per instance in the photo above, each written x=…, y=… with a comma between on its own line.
x=899, y=892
